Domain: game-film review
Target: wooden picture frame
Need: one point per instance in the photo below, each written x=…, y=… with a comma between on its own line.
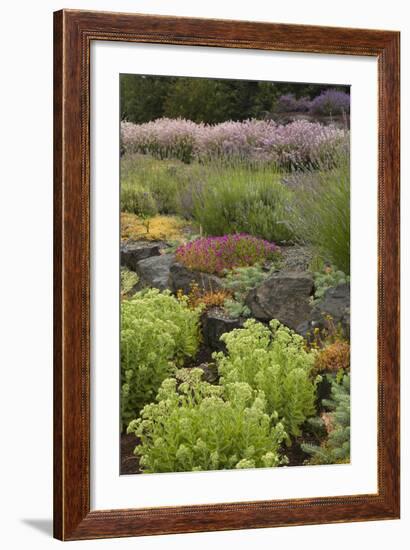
x=74, y=32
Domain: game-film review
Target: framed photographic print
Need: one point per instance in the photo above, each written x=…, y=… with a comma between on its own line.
x=226, y=335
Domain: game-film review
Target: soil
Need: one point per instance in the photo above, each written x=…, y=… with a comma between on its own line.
x=295, y=454
x=129, y=462
x=204, y=355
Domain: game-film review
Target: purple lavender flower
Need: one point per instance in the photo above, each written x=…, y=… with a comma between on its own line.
x=331, y=102
x=288, y=103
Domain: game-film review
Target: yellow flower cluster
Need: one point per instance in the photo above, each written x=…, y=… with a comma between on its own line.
x=170, y=228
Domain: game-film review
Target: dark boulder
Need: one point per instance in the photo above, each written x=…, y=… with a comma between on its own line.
x=215, y=323
x=154, y=272
x=134, y=251
x=285, y=296
x=210, y=372
x=334, y=304
x=182, y=278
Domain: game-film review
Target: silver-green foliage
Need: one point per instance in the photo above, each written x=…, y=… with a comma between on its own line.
x=273, y=360
x=328, y=279
x=198, y=426
x=336, y=448
x=158, y=332
x=239, y=281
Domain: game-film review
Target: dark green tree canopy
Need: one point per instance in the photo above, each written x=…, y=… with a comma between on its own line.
x=145, y=98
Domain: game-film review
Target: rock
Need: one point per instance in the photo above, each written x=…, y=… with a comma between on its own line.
x=215, y=323
x=336, y=304
x=181, y=278
x=134, y=251
x=154, y=272
x=210, y=372
x=295, y=258
x=284, y=296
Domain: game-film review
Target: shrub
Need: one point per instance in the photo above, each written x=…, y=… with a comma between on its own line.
x=157, y=333
x=249, y=141
x=239, y=200
x=198, y=426
x=160, y=228
x=275, y=361
x=215, y=254
x=334, y=357
x=198, y=298
x=161, y=138
x=329, y=277
x=336, y=448
x=302, y=144
x=166, y=180
x=321, y=215
x=288, y=103
x=331, y=102
x=137, y=200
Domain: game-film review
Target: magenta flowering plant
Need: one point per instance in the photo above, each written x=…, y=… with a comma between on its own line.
x=217, y=254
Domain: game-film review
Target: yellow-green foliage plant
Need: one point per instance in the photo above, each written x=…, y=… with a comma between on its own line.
x=129, y=279
x=197, y=426
x=274, y=360
x=158, y=333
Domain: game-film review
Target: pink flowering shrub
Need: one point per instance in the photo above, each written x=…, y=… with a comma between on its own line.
x=215, y=254
x=300, y=142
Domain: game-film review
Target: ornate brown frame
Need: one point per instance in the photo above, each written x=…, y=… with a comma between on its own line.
x=73, y=33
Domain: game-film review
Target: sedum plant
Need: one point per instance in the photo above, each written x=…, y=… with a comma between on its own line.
x=197, y=426
x=157, y=332
x=273, y=360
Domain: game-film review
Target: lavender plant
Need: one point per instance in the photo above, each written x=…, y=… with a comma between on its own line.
x=331, y=102
x=288, y=103
x=250, y=141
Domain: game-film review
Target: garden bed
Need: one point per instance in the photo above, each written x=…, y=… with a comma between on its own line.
x=235, y=313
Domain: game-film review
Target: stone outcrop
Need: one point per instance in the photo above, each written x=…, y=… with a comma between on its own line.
x=285, y=296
